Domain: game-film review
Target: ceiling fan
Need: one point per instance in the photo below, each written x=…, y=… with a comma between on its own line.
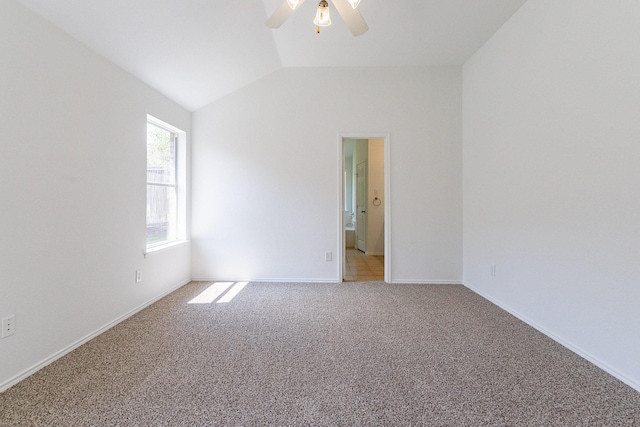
x=346, y=8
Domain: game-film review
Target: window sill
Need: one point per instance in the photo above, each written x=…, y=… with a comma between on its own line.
x=163, y=247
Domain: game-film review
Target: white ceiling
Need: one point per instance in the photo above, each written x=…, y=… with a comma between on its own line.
x=197, y=51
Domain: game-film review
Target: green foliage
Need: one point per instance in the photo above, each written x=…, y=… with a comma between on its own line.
x=159, y=146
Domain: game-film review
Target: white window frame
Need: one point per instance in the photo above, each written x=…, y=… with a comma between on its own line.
x=180, y=186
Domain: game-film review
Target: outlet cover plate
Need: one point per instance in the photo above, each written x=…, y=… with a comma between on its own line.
x=8, y=326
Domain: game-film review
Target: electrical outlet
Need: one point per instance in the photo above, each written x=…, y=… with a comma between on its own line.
x=328, y=256
x=8, y=326
x=138, y=276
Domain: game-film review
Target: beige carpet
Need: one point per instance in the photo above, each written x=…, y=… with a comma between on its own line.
x=364, y=353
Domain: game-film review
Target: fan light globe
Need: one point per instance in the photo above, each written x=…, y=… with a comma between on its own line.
x=294, y=3
x=323, y=19
x=354, y=3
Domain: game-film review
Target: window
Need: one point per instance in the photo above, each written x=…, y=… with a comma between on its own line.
x=165, y=201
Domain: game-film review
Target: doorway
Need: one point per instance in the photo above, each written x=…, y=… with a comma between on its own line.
x=364, y=225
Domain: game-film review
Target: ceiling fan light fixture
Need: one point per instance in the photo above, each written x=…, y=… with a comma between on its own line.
x=354, y=3
x=323, y=18
x=294, y=3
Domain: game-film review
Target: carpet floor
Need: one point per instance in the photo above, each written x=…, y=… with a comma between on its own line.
x=359, y=353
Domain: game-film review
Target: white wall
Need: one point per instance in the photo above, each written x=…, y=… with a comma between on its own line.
x=375, y=185
x=72, y=180
x=266, y=172
x=551, y=173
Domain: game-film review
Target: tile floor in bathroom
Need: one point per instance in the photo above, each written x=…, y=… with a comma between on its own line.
x=361, y=268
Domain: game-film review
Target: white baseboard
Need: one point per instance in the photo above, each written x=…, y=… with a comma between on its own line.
x=269, y=280
x=35, y=368
x=580, y=352
x=426, y=282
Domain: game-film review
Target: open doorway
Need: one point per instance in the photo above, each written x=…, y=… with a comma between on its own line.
x=364, y=232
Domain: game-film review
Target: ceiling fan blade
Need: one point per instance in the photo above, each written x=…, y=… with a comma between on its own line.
x=351, y=17
x=281, y=14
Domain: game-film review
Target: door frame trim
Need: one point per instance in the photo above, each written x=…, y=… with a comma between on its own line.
x=388, y=278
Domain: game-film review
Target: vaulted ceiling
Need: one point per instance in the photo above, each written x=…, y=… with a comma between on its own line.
x=197, y=51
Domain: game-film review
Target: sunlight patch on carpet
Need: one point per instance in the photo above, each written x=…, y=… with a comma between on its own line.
x=235, y=290
x=210, y=294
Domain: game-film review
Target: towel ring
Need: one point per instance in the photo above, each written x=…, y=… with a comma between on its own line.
x=377, y=202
